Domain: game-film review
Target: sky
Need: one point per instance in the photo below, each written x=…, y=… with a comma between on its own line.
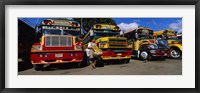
x=127, y=24
x=156, y=24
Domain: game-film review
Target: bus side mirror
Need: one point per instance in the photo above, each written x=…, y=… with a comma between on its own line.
x=136, y=36
x=91, y=33
x=36, y=29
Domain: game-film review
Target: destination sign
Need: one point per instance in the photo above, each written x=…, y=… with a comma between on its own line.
x=61, y=27
x=106, y=27
x=61, y=23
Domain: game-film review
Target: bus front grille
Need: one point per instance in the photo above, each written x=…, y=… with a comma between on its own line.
x=58, y=41
x=117, y=43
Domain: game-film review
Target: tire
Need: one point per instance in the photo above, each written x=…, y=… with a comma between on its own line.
x=83, y=63
x=100, y=63
x=38, y=67
x=175, y=53
x=162, y=58
x=150, y=57
x=145, y=56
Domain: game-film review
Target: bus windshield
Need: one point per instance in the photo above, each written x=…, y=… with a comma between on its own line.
x=51, y=32
x=144, y=34
x=61, y=32
x=144, y=31
x=72, y=33
x=141, y=37
x=172, y=38
x=104, y=34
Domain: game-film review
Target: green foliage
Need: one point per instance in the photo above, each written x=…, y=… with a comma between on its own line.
x=87, y=23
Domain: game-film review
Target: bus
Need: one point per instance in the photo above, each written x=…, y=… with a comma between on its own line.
x=174, y=42
x=179, y=35
x=58, y=41
x=145, y=47
x=108, y=40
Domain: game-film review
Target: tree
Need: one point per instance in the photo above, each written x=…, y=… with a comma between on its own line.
x=87, y=23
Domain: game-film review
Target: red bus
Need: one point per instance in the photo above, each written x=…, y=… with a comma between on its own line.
x=58, y=42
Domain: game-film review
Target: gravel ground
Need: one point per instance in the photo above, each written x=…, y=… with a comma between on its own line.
x=135, y=67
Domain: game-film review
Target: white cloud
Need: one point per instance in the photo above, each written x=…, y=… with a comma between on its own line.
x=177, y=26
x=128, y=27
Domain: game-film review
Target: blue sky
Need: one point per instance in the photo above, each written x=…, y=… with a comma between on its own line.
x=127, y=24
x=154, y=23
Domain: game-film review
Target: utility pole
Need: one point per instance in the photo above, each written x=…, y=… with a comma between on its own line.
x=81, y=28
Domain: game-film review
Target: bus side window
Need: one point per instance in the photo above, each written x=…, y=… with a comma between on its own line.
x=159, y=36
x=128, y=36
x=166, y=37
x=151, y=36
x=87, y=39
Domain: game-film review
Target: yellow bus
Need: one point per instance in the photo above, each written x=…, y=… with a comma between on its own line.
x=174, y=43
x=108, y=40
x=144, y=45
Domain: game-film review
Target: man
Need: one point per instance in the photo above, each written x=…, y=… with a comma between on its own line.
x=92, y=45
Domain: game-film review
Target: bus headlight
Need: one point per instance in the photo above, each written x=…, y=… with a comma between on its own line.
x=153, y=51
x=101, y=45
x=37, y=48
x=130, y=45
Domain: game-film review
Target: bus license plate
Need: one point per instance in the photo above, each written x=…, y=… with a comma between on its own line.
x=165, y=54
x=58, y=55
x=119, y=54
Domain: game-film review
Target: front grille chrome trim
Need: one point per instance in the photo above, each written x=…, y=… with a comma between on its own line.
x=117, y=43
x=58, y=41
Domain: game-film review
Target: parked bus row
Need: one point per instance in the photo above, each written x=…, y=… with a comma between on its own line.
x=148, y=44
x=60, y=41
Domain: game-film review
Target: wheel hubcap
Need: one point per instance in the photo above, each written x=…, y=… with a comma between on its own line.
x=144, y=55
x=175, y=54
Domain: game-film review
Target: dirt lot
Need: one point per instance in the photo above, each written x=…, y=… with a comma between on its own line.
x=135, y=67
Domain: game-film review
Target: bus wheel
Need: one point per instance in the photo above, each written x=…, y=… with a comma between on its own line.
x=162, y=58
x=144, y=56
x=38, y=67
x=83, y=63
x=100, y=63
x=175, y=53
